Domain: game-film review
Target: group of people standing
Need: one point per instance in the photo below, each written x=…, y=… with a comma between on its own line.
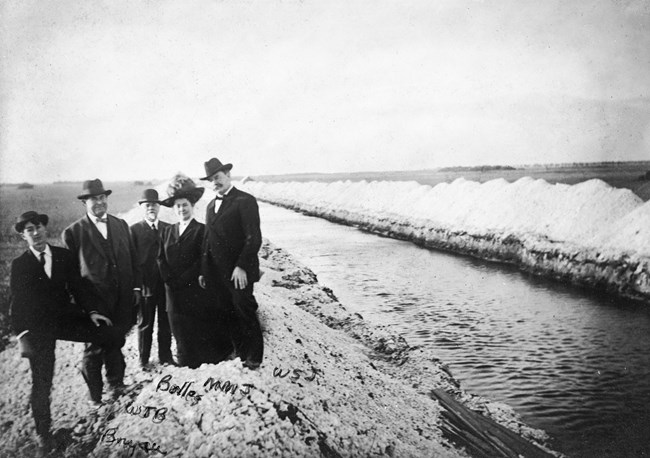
x=196, y=278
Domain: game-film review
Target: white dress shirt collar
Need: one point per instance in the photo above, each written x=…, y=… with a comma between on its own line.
x=182, y=225
x=48, y=258
x=101, y=227
x=217, y=202
x=155, y=223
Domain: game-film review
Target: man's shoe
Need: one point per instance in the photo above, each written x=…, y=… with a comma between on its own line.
x=115, y=391
x=94, y=405
x=252, y=365
x=45, y=444
x=168, y=362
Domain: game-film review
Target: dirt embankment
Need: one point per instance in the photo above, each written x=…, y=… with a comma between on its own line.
x=330, y=385
x=622, y=275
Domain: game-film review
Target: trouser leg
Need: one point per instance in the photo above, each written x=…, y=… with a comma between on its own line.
x=146, y=314
x=247, y=332
x=164, y=333
x=96, y=355
x=91, y=369
x=99, y=339
x=115, y=365
x=42, y=367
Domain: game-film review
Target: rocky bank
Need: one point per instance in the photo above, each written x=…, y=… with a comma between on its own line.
x=330, y=386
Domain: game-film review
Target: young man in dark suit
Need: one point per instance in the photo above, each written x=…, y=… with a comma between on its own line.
x=43, y=279
x=146, y=240
x=229, y=260
x=102, y=246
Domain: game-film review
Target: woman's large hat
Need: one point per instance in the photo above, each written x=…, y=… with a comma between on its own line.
x=213, y=166
x=30, y=217
x=182, y=187
x=93, y=188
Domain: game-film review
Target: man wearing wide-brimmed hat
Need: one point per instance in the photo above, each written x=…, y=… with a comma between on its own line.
x=146, y=240
x=232, y=241
x=103, y=248
x=43, y=279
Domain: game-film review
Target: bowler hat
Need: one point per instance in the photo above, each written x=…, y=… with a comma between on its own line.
x=93, y=188
x=149, y=195
x=30, y=217
x=213, y=166
x=182, y=187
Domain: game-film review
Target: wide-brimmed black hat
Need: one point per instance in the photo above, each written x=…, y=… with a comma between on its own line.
x=149, y=195
x=30, y=217
x=182, y=187
x=213, y=166
x=93, y=188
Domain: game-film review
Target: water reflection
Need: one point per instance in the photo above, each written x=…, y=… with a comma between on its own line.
x=574, y=363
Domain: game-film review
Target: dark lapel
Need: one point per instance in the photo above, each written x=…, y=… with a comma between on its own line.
x=58, y=269
x=226, y=202
x=35, y=263
x=173, y=233
x=113, y=228
x=94, y=234
x=188, y=229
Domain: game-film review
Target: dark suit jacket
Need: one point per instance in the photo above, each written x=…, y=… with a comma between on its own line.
x=115, y=282
x=180, y=265
x=233, y=236
x=38, y=302
x=147, y=245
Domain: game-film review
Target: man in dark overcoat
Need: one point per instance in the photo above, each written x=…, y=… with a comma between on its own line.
x=146, y=240
x=229, y=259
x=102, y=246
x=43, y=280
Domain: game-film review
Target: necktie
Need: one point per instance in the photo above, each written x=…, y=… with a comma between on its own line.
x=102, y=220
x=218, y=197
x=153, y=228
x=43, y=259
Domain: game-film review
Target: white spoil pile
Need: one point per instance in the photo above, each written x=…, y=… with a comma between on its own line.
x=589, y=233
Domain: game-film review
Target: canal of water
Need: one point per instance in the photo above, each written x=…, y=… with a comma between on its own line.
x=571, y=362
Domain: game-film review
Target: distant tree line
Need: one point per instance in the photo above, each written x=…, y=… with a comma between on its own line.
x=476, y=168
x=587, y=164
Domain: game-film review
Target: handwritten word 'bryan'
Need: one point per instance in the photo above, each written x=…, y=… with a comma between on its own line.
x=109, y=438
x=159, y=414
x=296, y=374
x=180, y=391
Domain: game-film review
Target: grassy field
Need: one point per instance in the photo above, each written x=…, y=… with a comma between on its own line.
x=60, y=203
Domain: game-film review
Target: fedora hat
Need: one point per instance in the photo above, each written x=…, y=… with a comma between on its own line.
x=213, y=166
x=182, y=187
x=149, y=195
x=93, y=188
x=30, y=217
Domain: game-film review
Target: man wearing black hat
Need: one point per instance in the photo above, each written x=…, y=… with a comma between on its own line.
x=103, y=248
x=42, y=281
x=146, y=240
x=229, y=261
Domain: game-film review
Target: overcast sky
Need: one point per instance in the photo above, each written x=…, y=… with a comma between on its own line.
x=143, y=89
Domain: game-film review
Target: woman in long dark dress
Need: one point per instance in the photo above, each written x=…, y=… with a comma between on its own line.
x=199, y=330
